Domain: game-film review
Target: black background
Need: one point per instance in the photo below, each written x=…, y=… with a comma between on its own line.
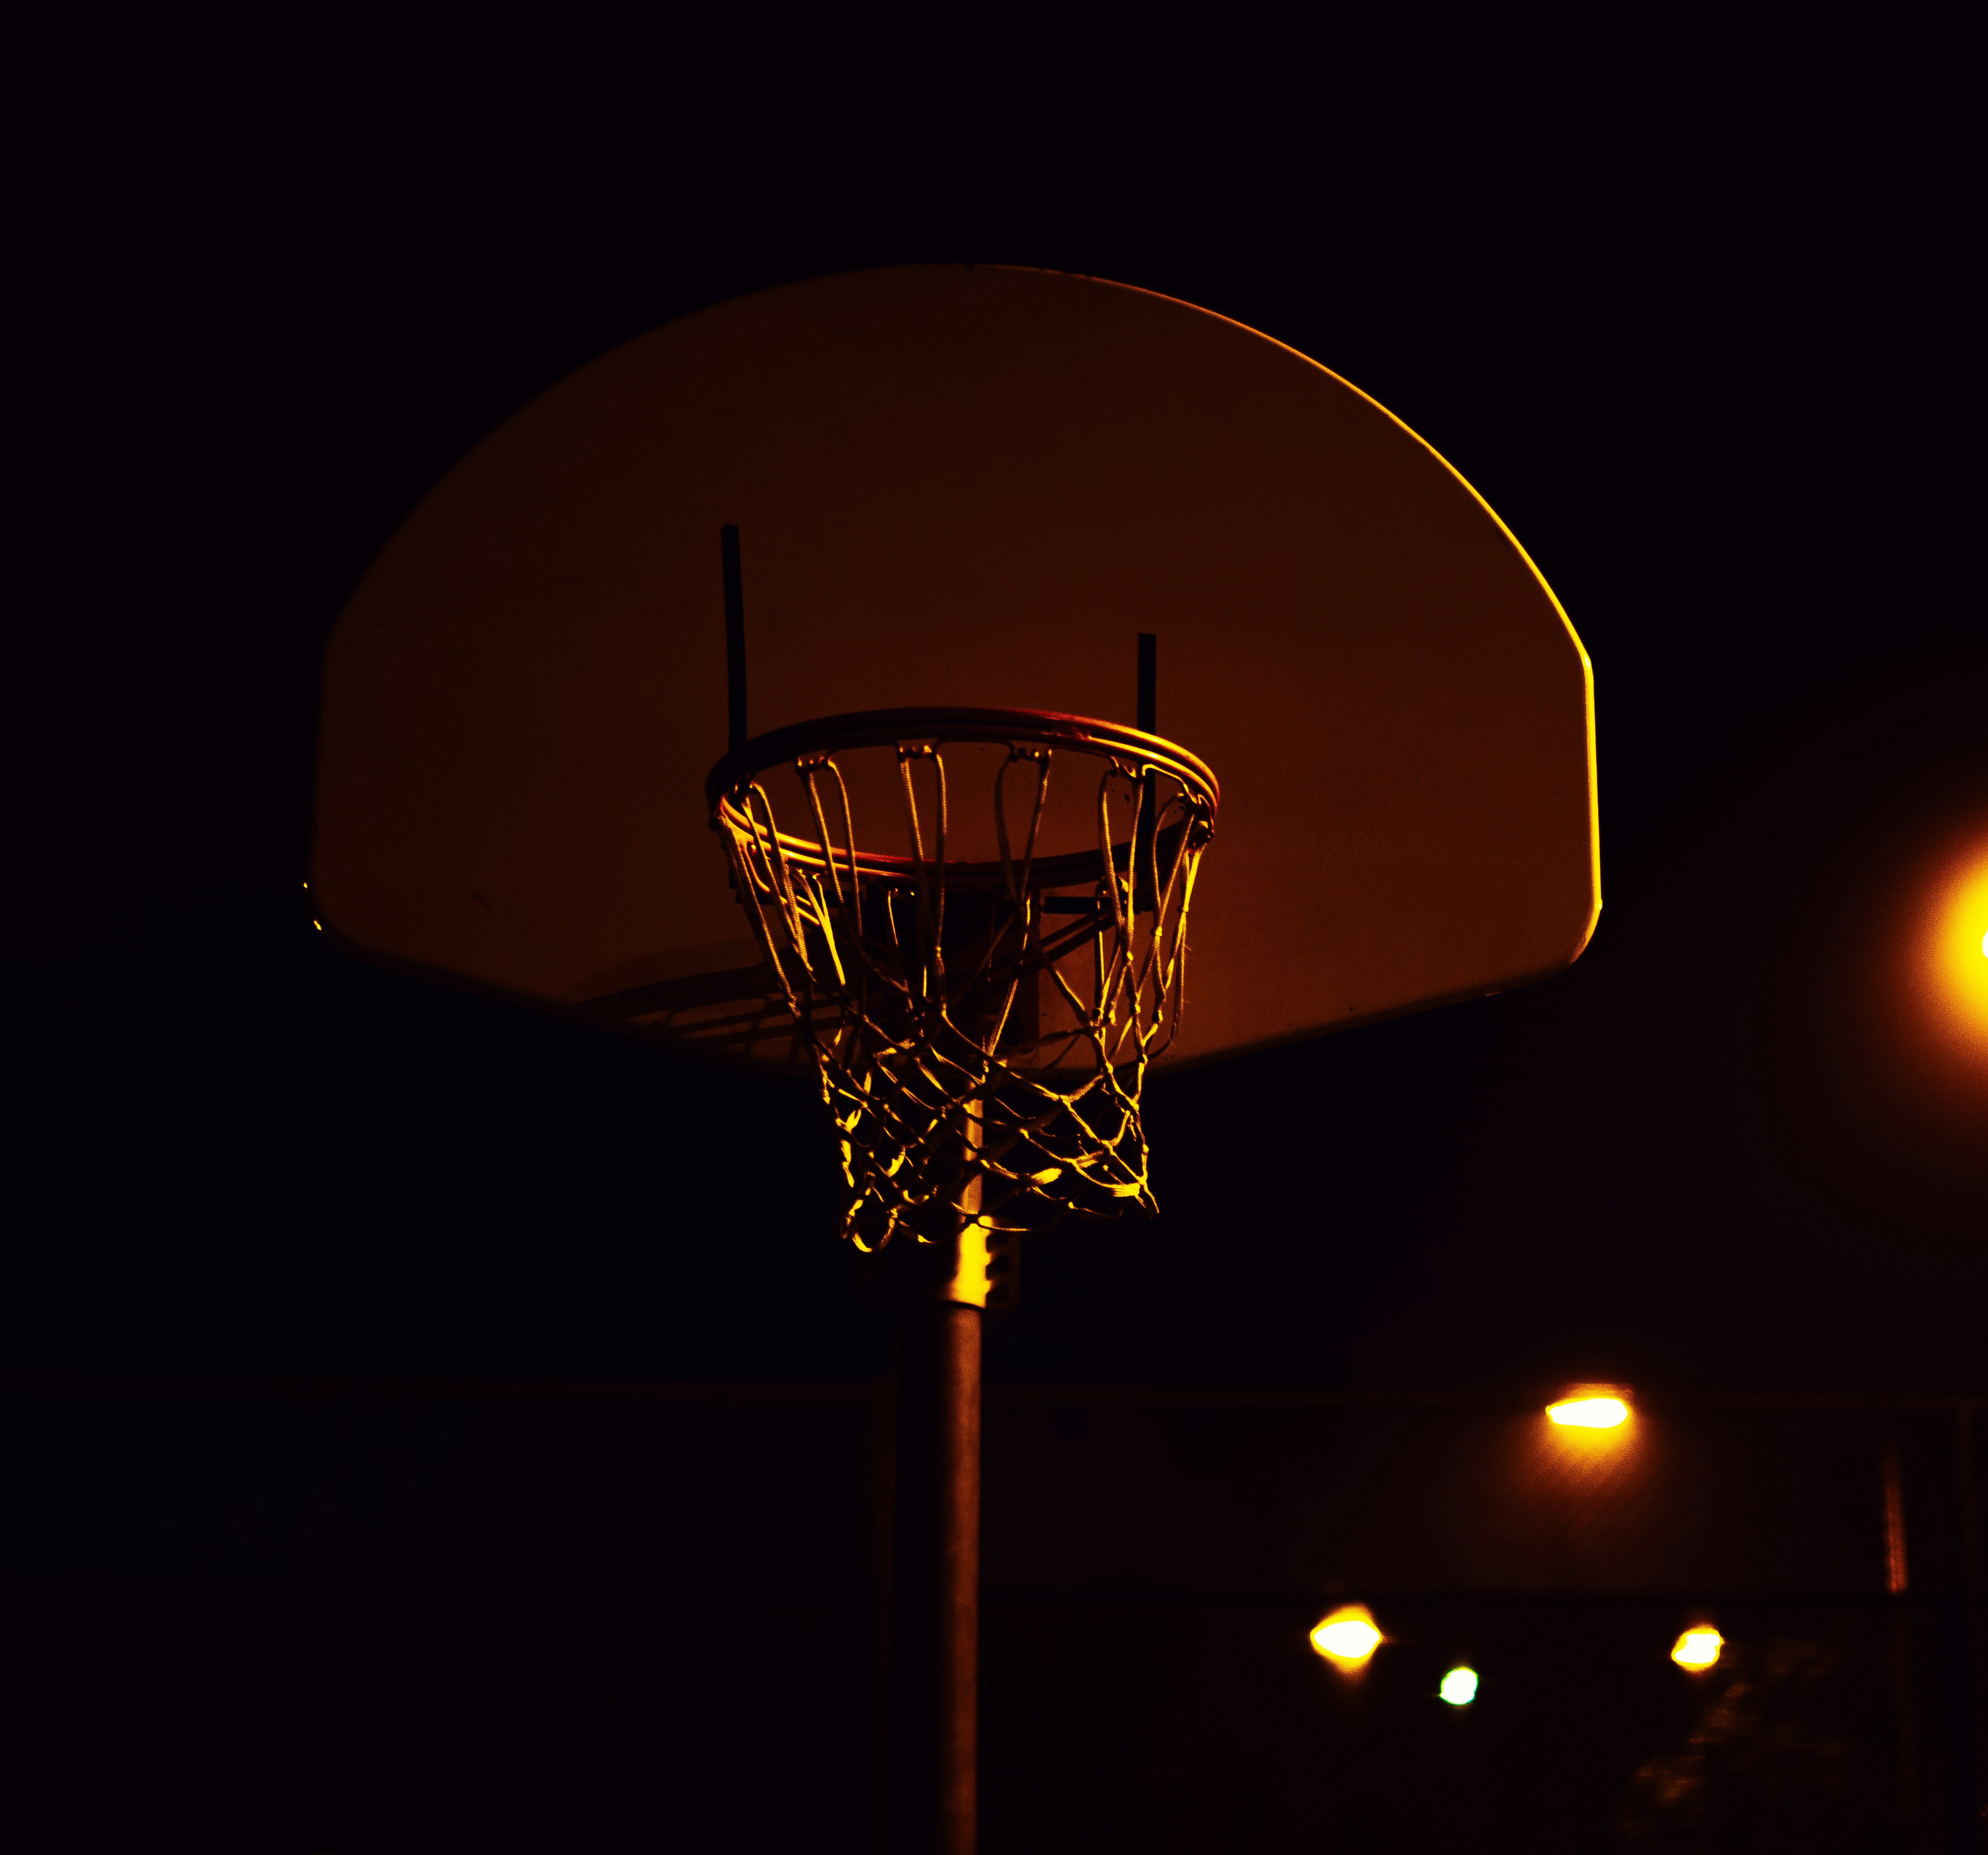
x=1692, y=310
x=1703, y=343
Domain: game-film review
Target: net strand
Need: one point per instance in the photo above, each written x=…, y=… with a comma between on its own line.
x=937, y=1084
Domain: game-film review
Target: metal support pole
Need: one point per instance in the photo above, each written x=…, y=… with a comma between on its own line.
x=942, y=1289
x=935, y=1595
x=1897, y=1584
x=1973, y=1751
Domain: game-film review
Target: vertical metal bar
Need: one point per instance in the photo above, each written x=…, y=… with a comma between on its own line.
x=935, y=1588
x=1142, y=885
x=734, y=638
x=882, y=1452
x=1897, y=1577
x=1897, y=1582
x=1973, y=1751
x=959, y=1627
x=935, y=1593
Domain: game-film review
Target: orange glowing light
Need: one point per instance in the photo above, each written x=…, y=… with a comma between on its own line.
x=1592, y=1408
x=1698, y=1647
x=1955, y=955
x=1347, y=1636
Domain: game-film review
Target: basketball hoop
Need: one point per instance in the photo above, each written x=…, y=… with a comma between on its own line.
x=523, y=689
x=981, y=1029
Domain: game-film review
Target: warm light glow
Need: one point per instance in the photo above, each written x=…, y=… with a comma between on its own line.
x=1698, y=1647
x=1957, y=954
x=1590, y=1412
x=1347, y=1636
x=1459, y=1687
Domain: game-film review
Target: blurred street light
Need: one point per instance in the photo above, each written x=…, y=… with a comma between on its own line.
x=1698, y=1647
x=1459, y=1687
x=1592, y=1408
x=1348, y=1637
x=1956, y=961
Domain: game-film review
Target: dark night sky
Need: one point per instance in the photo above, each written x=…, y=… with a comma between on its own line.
x=1708, y=355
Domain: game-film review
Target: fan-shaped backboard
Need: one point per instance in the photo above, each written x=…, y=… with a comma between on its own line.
x=959, y=487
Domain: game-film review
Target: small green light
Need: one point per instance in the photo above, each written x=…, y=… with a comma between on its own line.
x=1459, y=1687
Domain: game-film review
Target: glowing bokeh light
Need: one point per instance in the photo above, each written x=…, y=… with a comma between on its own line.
x=1956, y=955
x=1698, y=1647
x=1459, y=1687
x=1347, y=1636
x=1590, y=1412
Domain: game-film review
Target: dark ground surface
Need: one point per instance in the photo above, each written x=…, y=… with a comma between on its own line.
x=305, y=1720
x=324, y=1618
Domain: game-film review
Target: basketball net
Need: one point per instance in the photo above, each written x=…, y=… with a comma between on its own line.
x=981, y=1030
